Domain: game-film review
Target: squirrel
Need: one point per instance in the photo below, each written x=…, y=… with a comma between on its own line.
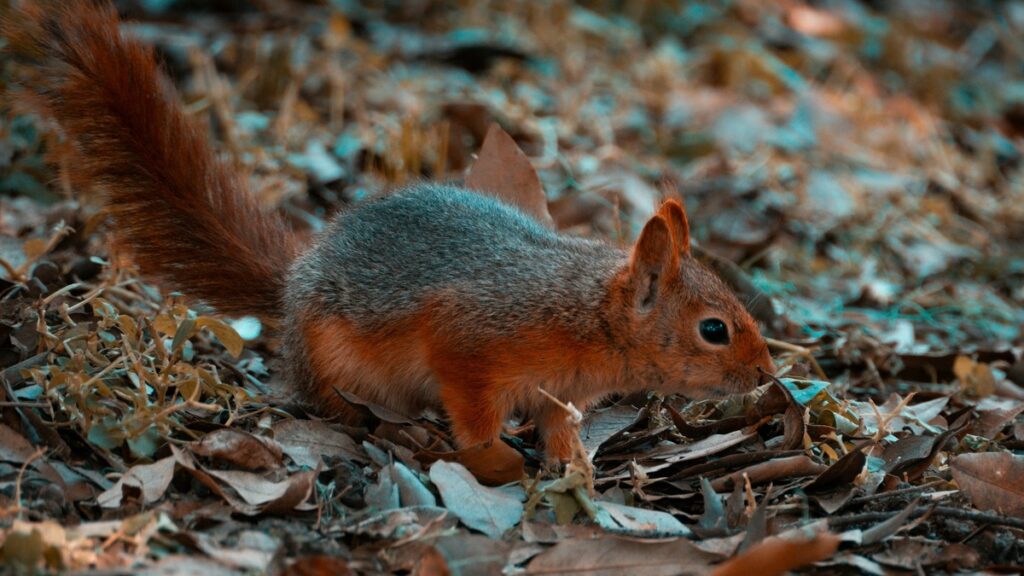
x=433, y=296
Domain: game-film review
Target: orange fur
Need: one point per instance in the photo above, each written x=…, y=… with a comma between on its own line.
x=379, y=367
x=187, y=216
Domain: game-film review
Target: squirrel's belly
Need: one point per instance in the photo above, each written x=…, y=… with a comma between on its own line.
x=388, y=369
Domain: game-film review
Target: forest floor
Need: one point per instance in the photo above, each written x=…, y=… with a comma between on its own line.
x=854, y=168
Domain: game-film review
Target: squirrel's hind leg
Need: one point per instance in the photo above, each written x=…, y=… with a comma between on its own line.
x=475, y=404
x=386, y=369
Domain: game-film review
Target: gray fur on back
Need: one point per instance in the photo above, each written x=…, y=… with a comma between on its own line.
x=495, y=268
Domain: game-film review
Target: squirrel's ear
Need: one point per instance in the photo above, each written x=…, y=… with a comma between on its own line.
x=675, y=214
x=652, y=260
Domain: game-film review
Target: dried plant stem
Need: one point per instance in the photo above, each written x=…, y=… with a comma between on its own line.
x=946, y=511
x=21, y=476
x=805, y=353
x=895, y=493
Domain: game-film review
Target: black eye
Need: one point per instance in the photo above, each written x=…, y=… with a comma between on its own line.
x=714, y=331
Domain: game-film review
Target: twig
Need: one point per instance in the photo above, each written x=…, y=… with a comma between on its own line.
x=21, y=476
x=20, y=404
x=580, y=462
x=12, y=374
x=570, y=410
x=800, y=351
x=894, y=493
x=61, y=292
x=947, y=511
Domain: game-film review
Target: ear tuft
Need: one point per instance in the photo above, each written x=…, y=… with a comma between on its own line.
x=675, y=215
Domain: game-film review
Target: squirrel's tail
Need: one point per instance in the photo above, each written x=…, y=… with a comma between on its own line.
x=187, y=216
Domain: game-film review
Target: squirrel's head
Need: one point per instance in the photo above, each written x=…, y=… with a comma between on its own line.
x=688, y=333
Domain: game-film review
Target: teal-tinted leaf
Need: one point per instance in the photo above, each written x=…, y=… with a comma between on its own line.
x=183, y=333
x=484, y=509
x=638, y=521
x=804, y=391
x=105, y=433
x=144, y=445
x=347, y=145
x=24, y=184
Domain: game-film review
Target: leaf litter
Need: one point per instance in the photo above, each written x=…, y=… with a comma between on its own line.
x=853, y=169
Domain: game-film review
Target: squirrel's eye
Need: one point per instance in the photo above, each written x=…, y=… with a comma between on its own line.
x=714, y=331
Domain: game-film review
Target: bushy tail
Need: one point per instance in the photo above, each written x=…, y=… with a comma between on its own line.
x=187, y=216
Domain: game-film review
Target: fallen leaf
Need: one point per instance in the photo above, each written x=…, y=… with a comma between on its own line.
x=16, y=449
x=503, y=171
x=639, y=522
x=372, y=409
x=712, y=445
x=239, y=449
x=919, y=418
x=400, y=522
x=26, y=545
x=600, y=425
x=13, y=446
x=270, y=495
x=397, y=486
x=994, y=414
x=472, y=554
x=842, y=472
x=487, y=510
x=915, y=553
x=227, y=335
x=181, y=565
x=307, y=442
x=887, y=528
x=151, y=479
x=493, y=464
x=713, y=521
x=611, y=556
x=777, y=469
x=318, y=566
x=975, y=377
x=992, y=481
x=775, y=555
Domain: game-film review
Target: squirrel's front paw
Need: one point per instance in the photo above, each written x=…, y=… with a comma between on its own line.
x=554, y=466
x=558, y=449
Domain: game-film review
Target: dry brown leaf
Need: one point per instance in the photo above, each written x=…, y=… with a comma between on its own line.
x=259, y=491
x=994, y=414
x=13, y=446
x=611, y=556
x=776, y=555
x=992, y=481
x=318, y=566
x=503, y=171
x=307, y=442
x=598, y=426
x=712, y=445
x=841, y=472
x=16, y=449
x=492, y=464
x=151, y=480
x=975, y=377
x=227, y=335
x=777, y=469
x=240, y=449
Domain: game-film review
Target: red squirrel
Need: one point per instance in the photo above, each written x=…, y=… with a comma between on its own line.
x=434, y=296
